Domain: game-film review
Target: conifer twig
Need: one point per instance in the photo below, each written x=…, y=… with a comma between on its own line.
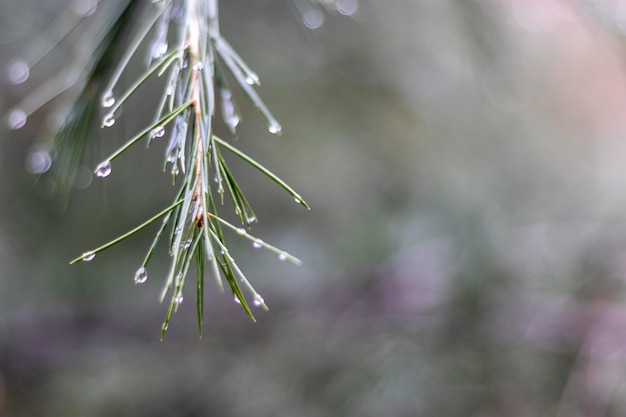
x=187, y=51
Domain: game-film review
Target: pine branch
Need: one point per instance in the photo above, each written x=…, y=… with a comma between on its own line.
x=192, y=67
x=194, y=61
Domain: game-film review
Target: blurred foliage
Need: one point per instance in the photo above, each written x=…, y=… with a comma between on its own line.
x=464, y=256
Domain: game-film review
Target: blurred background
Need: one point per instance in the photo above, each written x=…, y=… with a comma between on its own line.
x=465, y=255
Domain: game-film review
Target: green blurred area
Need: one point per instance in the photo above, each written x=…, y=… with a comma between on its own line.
x=465, y=254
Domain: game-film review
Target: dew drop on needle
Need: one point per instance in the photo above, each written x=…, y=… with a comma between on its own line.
x=88, y=256
x=157, y=132
x=104, y=169
x=178, y=300
x=274, y=128
x=258, y=300
x=108, y=120
x=141, y=276
x=107, y=100
x=16, y=119
x=18, y=72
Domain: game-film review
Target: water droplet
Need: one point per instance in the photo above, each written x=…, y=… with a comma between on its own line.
x=16, y=119
x=237, y=300
x=107, y=99
x=347, y=7
x=108, y=120
x=252, y=78
x=141, y=276
x=313, y=19
x=18, y=72
x=88, y=256
x=178, y=300
x=282, y=257
x=198, y=66
x=275, y=128
x=250, y=218
x=104, y=169
x=38, y=162
x=232, y=122
x=258, y=300
x=85, y=8
x=157, y=132
x=187, y=244
x=297, y=200
x=241, y=231
x=175, y=169
x=257, y=244
x=159, y=49
x=229, y=113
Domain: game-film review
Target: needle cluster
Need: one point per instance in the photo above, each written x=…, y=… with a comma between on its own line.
x=197, y=65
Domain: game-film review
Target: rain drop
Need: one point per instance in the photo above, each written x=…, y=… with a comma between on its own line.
x=107, y=99
x=282, y=257
x=109, y=120
x=172, y=156
x=157, y=132
x=38, y=162
x=141, y=276
x=252, y=78
x=250, y=218
x=256, y=244
x=274, y=127
x=241, y=231
x=18, y=72
x=16, y=119
x=178, y=300
x=85, y=8
x=313, y=19
x=237, y=300
x=159, y=49
x=228, y=110
x=347, y=7
x=232, y=122
x=104, y=169
x=88, y=256
x=198, y=66
x=258, y=300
